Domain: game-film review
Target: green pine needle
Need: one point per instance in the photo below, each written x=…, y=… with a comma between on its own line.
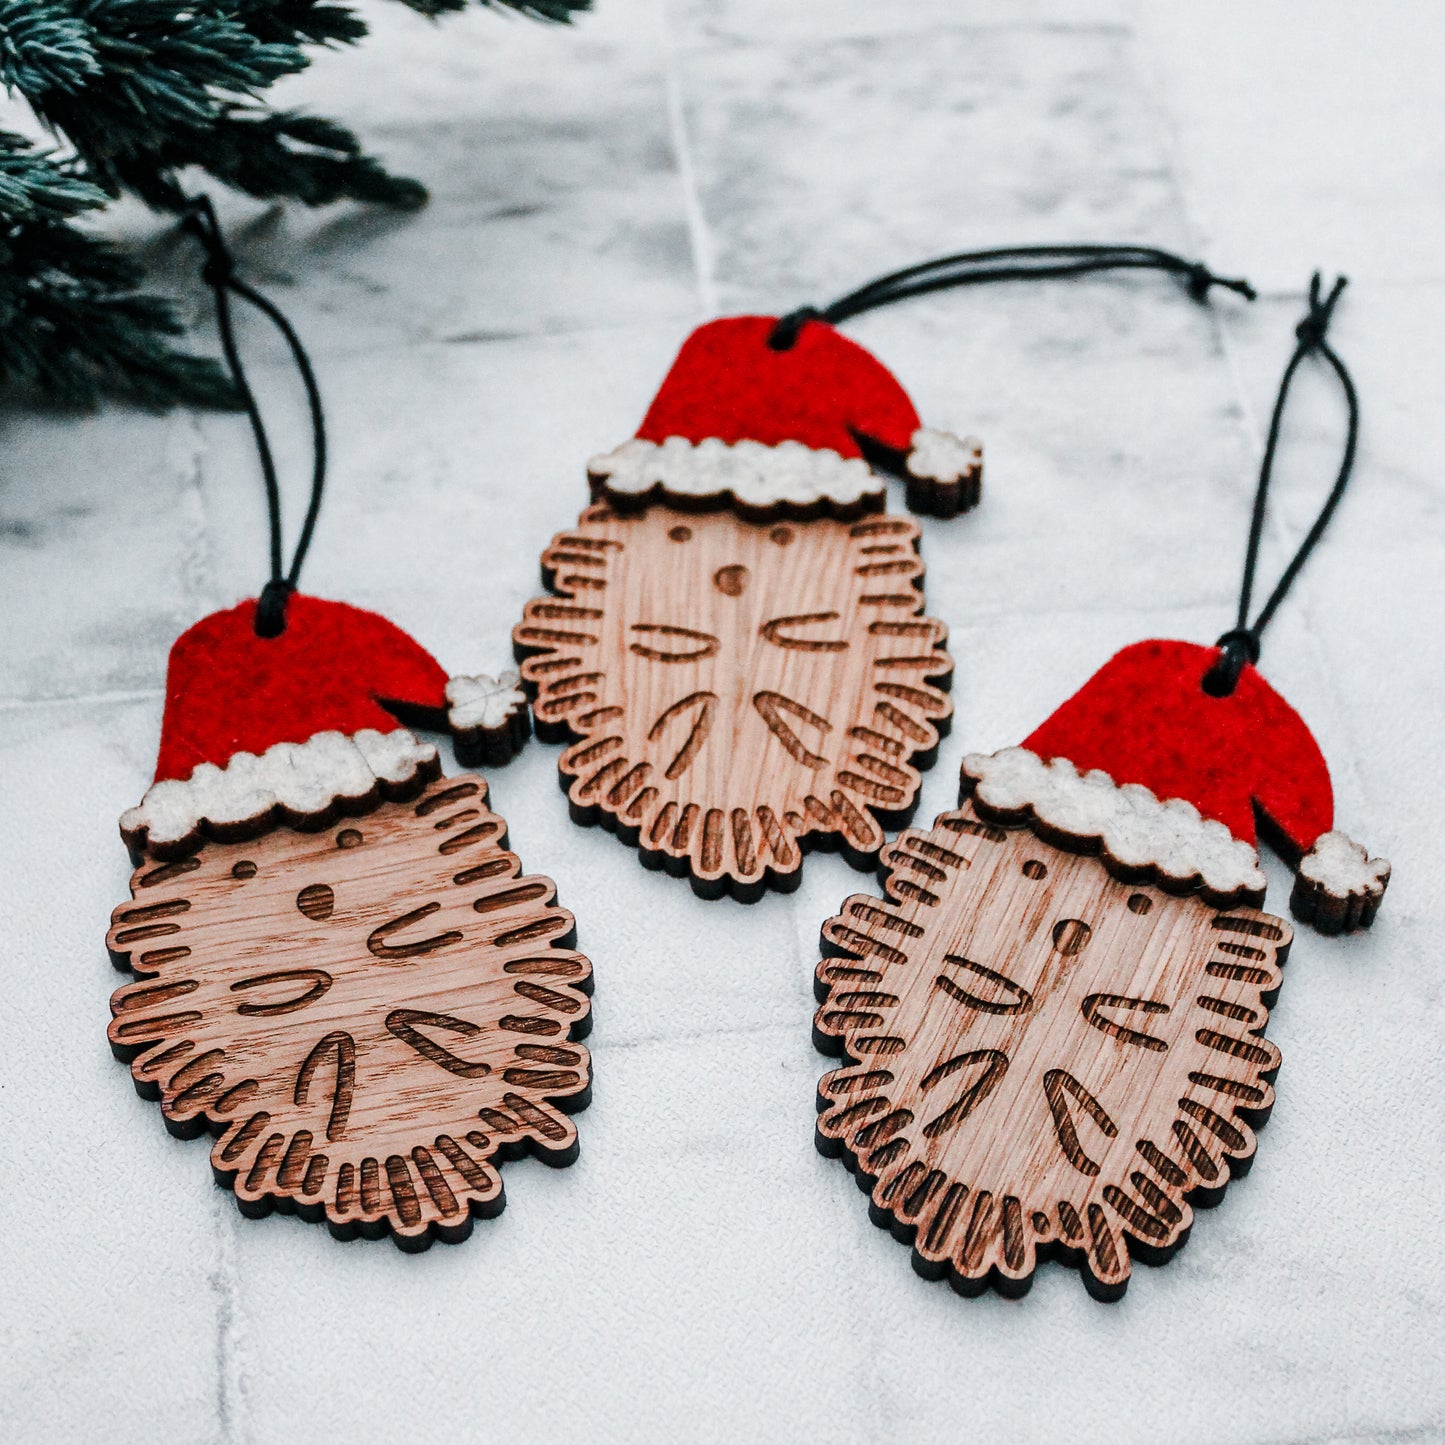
x=41, y=47
x=136, y=92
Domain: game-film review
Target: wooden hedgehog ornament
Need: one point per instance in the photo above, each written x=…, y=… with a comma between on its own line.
x=1054, y=1021
x=341, y=971
x=734, y=642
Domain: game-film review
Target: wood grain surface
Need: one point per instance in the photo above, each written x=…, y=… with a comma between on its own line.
x=1043, y=1060
x=737, y=691
x=370, y=1017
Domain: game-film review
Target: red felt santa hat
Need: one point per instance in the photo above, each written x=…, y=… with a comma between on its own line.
x=300, y=727
x=743, y=419
x=1166, y=779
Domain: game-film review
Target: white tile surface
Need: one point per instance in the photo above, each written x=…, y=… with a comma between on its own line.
x=702, y=1273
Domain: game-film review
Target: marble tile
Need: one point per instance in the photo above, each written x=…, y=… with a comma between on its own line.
x=104, y=550
x=116, y=1312
x=556, y=201
x=586, y=1300
x=702, y=1273
x=822, y=164
x=1305, y=141
x=1107, y=406
x=703, y=21
x=448, y=477
x=584, y=1303
x=954, y=143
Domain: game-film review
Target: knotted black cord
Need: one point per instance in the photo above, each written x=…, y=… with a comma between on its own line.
x=1010, y=263
x=1241, y=643
x=219, y=274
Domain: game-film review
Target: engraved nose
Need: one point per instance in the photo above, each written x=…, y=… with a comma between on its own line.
x=1070, y=935
x=317, y=901
x=731, y=581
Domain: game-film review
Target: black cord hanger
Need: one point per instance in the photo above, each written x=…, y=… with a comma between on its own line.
x=1009, y=263
x=219, y=273
x=1241, y=643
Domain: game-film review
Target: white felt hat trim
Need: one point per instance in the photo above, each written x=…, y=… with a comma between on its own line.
x=1131, y=825
x=298, y=781
x=753, y=474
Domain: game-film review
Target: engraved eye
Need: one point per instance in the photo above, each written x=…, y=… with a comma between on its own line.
x=775, y=633
x=981, y=988
x=1095, y=1009
x=283, y=991
x=664, y=643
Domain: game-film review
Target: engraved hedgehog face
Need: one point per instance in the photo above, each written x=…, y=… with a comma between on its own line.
x=1046, y=1060
x=367, y=1015
x=734, y=687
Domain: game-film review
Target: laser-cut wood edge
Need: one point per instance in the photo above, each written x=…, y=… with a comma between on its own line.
x=831, y=1043
x=480, y=1203
x=772, y=878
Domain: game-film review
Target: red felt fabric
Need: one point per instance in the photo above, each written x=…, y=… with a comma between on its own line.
x=1145, y=718
x=727, y=382
x=229, y=691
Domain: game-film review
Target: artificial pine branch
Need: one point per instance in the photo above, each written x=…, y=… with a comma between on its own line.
x=72, y=323
x=135, y=92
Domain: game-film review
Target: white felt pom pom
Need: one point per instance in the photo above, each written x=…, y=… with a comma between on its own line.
x=1339, y=886
x=939, y=456
x=483, y=701
x=944, y=472
x=488, y=717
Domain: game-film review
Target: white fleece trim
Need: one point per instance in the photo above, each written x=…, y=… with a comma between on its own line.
x=754, y=474
x=483, y=703
x=1344, y=868
x=1133, y=827
x=304, y=779
x=939, y=456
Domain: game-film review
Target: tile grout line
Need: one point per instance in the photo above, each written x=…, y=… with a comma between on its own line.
x=196, y=587
x=702, y=257
x=230, y=1328
x=1169, y=136
x=196, y=558
x=1251, y=420
x=704, y=1034
x=82, y=699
